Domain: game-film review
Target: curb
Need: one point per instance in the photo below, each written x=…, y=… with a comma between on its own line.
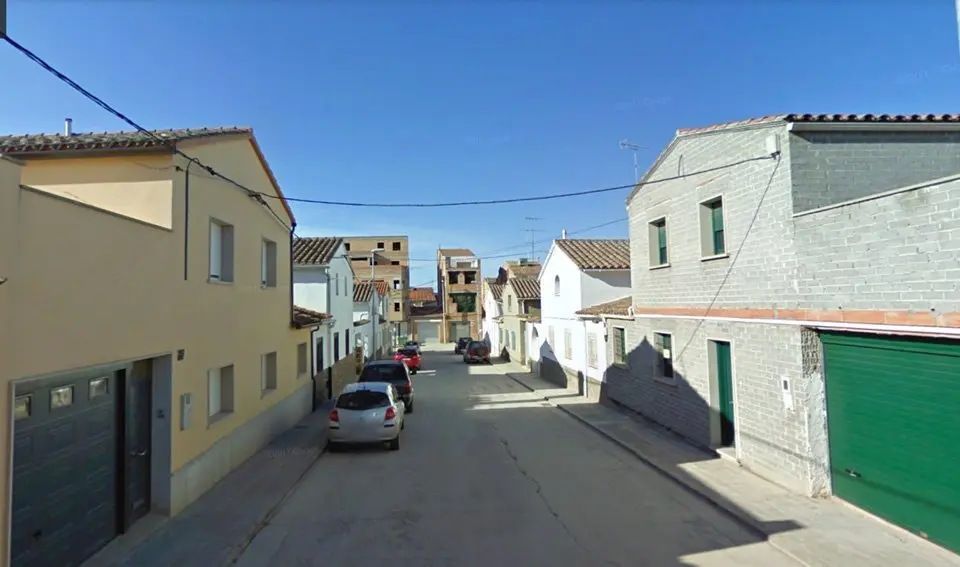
x=742, y=518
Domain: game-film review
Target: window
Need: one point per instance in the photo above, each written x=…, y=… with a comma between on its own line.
x=268, y=263
x=320, y=355
x=268, y=372
x=509, y=304
x=23, y=407
x=379, y=244
x=336, y=285
x=619, y=345
x=221, y=252
x=657, y=237
x=567, y=344
x=302, y=359
x=346, y=343
x=219, y=391
x=395, y=262
x=396, y=246
x=453, y=277
x=396, y=284
x=663, y=344
x=396, y=306
x=551, y=340
x=712, y=240
x=466, y=302
x=98, y=387
x=336, y=347
x=61, y=397
x=363, y=400
x=556, y=285
x=592, y=350
x=469, y=277
x=346, y=246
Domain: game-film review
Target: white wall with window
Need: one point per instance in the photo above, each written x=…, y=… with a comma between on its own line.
x=328, y=289
x=490, y=326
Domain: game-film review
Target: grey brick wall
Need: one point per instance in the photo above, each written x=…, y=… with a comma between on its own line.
x=764, y=271
x=832, y=167
x=900, y=251
x=785, y=445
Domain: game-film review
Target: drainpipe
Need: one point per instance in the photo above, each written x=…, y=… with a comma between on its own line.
x=186, y=224
x=293, y=228
x=586, y=357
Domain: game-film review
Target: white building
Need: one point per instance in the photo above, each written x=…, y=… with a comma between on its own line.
x=368, y=296
x=492, y=311
x=576, y=274
x=323, y=282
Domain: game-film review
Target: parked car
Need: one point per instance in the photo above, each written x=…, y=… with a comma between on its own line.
x=462, y=343
x=409, y=356
x=415, y=344
x=369, y=412
x=393, y=372
x=476, y=351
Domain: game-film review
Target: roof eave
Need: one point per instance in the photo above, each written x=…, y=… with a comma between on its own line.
x=873, y=127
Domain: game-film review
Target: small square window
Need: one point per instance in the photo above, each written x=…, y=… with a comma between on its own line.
x=396, y=246
x=23, y=407
x=346, y=246
x=394, y=262
x=396, y=307
x=61, y=397
x=99, y=387
x=379, y=244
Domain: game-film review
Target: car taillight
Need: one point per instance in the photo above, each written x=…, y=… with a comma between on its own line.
x=391, y=414
x=335, y=415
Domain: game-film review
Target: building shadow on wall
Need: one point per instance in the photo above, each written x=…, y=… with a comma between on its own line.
x=671, y=448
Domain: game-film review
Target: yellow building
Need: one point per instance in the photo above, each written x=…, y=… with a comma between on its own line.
x=146, y=329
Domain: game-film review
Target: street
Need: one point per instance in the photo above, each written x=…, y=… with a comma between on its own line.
x=489, y=474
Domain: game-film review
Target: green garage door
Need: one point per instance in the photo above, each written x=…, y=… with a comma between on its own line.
x=893, y=411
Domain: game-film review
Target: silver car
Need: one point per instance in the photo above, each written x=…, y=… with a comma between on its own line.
x=366, y=412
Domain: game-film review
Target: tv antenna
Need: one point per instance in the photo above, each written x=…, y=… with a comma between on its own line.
x=533, y=232
x=626, y=145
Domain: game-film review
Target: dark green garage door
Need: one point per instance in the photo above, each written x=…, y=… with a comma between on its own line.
x=64, y=478
x=893, y=410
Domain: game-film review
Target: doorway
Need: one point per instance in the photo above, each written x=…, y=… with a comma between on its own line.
x=137, y=442
x=723, y=430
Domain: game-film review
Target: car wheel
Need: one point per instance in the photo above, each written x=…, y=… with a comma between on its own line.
x=333, y=447
x=414, y=371
x=409, y=408
x=395, y=443
x=403, y=425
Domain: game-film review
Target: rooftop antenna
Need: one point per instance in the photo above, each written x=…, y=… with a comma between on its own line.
x=626, y=145
x=533, y=231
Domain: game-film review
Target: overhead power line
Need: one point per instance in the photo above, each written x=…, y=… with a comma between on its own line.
x=261, y=196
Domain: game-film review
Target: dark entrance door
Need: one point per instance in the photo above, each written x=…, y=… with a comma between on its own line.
x=725, y=389
x=137, y=424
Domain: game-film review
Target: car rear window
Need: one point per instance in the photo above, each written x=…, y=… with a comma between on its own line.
x=362, y=400
x=477, y=346
x=408, y=351
x=383, y=373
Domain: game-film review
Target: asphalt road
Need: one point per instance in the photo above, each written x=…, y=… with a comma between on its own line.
x=488, y=475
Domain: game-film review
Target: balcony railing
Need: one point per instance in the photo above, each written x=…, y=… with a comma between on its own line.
x=463, y=262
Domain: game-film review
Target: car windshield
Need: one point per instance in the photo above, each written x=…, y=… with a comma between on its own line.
x=383, y=373
x=362, y=400
x=412, y=343
x=407, y=351
x=464, y=340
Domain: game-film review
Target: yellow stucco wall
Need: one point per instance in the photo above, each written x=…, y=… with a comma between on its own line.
x=88, y=287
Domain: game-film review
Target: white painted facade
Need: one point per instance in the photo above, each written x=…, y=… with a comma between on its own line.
x=361, y=311
x=490, y=327
x=328, y=289
x=564, y=290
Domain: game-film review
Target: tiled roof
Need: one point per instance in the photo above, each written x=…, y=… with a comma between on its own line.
x=825, y=118
x=362, y=290
x=426, y=310
x=303, y=317
x=315, y=251
x=455, y=252
x=43, y=143
x=425, y=294
x=597, y=254
x=525, y=288
x=495, y=289
x=528, y=270
x=616, y=307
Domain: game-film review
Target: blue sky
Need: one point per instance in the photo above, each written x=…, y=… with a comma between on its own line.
x=428, y=102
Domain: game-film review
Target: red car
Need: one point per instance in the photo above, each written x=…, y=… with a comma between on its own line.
x=410, y=357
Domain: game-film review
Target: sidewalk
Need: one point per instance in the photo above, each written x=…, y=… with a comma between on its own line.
x=818, y=533
x=214, y=530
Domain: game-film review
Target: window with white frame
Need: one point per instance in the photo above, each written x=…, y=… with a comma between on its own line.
x=663, y=344
x=268, y=263
x=619, y=345
x=302, y=362
x=221, y=252
x=268, y=372
x=592, y=350
x=219, y=391
x=567, y=344
x=556, y=285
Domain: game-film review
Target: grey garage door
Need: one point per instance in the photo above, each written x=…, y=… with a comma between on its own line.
x=458, y=330
x=428, y=332
x=65, y=474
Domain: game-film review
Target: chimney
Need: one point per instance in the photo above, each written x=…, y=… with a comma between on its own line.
x=68, y=126
x=563, y=234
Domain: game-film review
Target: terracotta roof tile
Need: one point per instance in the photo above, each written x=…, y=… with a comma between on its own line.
x=527, y=270
x=825, y=118
x=363, y=291
x=456, y=252
x=616, y=307
x=495, y=289
x=426, y=310
x=315, y=251
x=47, y=143
x=303, y=317
x=525, y=288
x=597, y=254
x=424, y=294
